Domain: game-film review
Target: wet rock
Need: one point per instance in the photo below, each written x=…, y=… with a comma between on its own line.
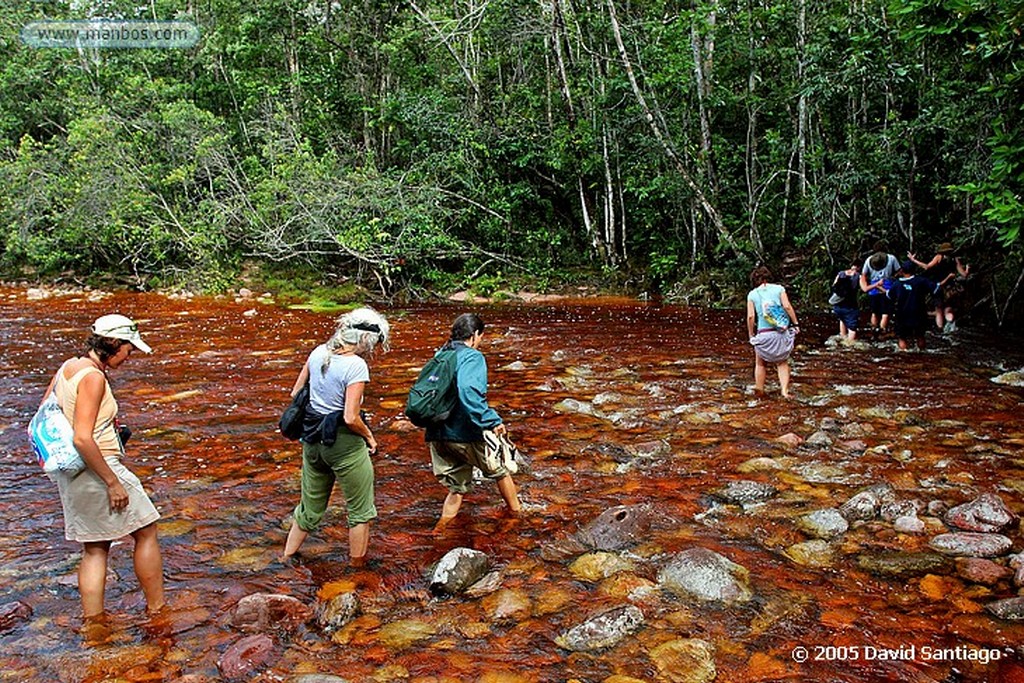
x=12, y=614
x=701, y=417
x=320, y=678
x=627, y=586
x=603, y=630
x=571, y=405
x=401, y=634
x=760, y=465
x=507, y=605
x=650, y=449
x=263, y=611
x=1011, y=609
x=969, y=544
x=598, y=565
x=909, y=524
x=893, y=510
x=615, y=451
x=685, y=661
x=904, y=565
x=815, y=553
x=827, y=523
x=335, y=613
x=829, y=424
x=856, y=430
x=865, y=504
x=937, y=508
x=819, y=439
x=485, y=586
x=616, y=527
x=792, y=440
x=515, y=366
x=705, y=575
x=246, y=656
x=459, y=569
x=985, y=514
x=745, y=492
x=1014, y=378
x=979, y=570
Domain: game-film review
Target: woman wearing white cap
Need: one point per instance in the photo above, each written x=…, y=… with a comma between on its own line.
x=336, y=442
x=105, y=501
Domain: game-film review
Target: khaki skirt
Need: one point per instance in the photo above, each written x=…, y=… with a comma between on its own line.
x=87, y=514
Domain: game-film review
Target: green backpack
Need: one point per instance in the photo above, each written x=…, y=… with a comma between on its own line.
x=435, y=393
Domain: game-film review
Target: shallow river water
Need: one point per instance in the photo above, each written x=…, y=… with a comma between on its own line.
x=588, y=391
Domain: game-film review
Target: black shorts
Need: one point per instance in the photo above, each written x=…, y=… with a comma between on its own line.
x=879, y=304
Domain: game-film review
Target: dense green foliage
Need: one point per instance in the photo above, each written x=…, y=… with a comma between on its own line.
x=417, y=145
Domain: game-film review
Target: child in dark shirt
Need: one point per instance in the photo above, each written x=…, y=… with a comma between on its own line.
x=910, y=297
x=844, y=301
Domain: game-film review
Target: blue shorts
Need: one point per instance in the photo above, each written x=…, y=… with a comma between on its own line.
x=847, y=316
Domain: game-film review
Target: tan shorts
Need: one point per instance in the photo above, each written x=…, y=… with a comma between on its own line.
x=87, y=514
x=453, y=464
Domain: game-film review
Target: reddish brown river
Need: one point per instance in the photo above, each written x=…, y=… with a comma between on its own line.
x=614, y=403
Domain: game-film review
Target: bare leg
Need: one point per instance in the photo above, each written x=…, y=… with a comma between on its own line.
x=507, y=488
x=451, y=506
x=783, y=369
x=885, y=322
x=760, y=374
x=296, y=537
x=92, y=577
x=358, y=543
x=938, y=318
x=149, y=566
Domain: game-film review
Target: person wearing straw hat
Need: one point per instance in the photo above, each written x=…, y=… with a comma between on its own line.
x=944, y=269
x=105, y=501
x=336, y=441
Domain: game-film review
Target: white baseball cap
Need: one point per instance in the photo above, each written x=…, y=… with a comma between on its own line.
x=117, y=326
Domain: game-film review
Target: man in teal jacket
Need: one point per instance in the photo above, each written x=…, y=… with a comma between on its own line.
x=457, y=444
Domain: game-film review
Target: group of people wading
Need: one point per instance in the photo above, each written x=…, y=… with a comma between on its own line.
x=898, y=293
x=106, y=501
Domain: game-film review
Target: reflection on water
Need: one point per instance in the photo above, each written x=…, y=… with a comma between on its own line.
x=615, y=403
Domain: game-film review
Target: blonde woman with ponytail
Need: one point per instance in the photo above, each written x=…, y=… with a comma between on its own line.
x=336, y=442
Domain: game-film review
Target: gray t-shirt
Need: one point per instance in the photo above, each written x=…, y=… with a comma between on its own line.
x=327, y=390
x=888, y=272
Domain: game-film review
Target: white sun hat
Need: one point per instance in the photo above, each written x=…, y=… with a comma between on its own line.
x=116, y=326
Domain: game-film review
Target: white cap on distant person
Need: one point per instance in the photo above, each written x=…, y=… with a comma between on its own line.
x=116, y=326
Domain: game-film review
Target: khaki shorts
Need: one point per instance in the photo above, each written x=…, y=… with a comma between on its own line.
x=453, y=464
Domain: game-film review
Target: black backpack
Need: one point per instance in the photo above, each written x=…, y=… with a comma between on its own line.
x=435, y=393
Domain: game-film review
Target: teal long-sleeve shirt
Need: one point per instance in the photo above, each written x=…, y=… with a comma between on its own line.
x=471, y=414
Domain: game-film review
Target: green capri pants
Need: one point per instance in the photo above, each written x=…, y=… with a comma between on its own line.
x=348, y=461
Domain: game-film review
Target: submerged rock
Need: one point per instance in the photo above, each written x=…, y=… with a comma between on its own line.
x=904, y=565
x=1014, y=378
x=1011, y=609
x=603, y=630
x=337, y=612
x=815, y=553
x=263, y=611
x=827, y=523
x=705, y=575
x=616, y=528
x=246, y=656
x=985, y=514
x=865, y=504
x=12, y=614
x=745, y=492
x=687, y=660
x=968, y=544
x=459, y=569
x=979, y=570
x=598, y=565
